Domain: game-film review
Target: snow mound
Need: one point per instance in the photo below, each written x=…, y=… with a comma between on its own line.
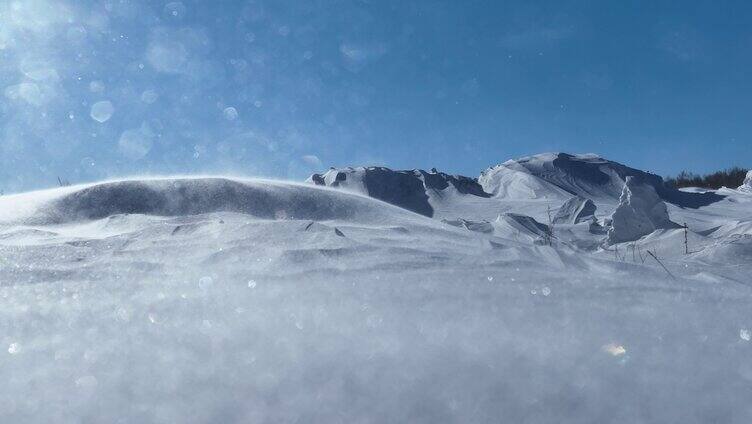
x=410, y=190
x=513, y=181
x=575, y=210
x=588, y=175
x=640, y=212
x=192, y=196
x=747, y=185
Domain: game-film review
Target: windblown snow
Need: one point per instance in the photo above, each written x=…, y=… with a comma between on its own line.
x=554, y=288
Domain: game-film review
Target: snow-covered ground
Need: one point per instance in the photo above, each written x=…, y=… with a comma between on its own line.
x=207, y=299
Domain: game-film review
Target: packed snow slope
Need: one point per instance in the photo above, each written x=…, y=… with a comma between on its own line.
x=214, y=299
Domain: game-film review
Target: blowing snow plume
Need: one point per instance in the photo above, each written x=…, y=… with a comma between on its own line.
x=261, y=199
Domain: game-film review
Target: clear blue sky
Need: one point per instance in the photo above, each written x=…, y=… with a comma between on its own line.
x=283, y=88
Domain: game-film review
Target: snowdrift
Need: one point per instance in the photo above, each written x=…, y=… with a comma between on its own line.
x=407, y=189
x=585, y=175
x=511, y=180
x=192, y=196
x=640, y=212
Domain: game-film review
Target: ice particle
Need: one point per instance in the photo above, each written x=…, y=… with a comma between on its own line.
x=87, y=382
x=149, y=96
x=102, y=111
x=96, y=86
x=230, y=113
x=745, y=334
x=252, y=284
x=88, y=162
x=174, y=9
x=205, y=283
x=614, y=349
x=135, y=144
x=14, y=348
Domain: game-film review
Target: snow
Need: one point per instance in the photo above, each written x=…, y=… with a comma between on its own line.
x=575, y=210
x=747, y=185
x=640, y=212
x=221, y=299
x=553, y=175
x=416, y=190
x=512, y=181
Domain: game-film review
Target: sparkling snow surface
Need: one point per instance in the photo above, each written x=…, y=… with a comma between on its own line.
x=215, y=300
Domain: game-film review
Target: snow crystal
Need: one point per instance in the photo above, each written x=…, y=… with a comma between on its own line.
x=123, y=314
x=149, y=96
x=205, y=283
x=102, y=111
x=614, y=349
x=252, y=284
x=230, y=113
x=96, y=86
x=26, y=91
x=88, y=162
x=167, y=56
x=745, y=334
x=174, y=9
x=135, y=144
x=14, y=348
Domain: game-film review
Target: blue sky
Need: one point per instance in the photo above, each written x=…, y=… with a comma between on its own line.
x=99, y=89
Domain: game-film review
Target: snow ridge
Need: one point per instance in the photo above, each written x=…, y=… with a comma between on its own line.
x=407, y=189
